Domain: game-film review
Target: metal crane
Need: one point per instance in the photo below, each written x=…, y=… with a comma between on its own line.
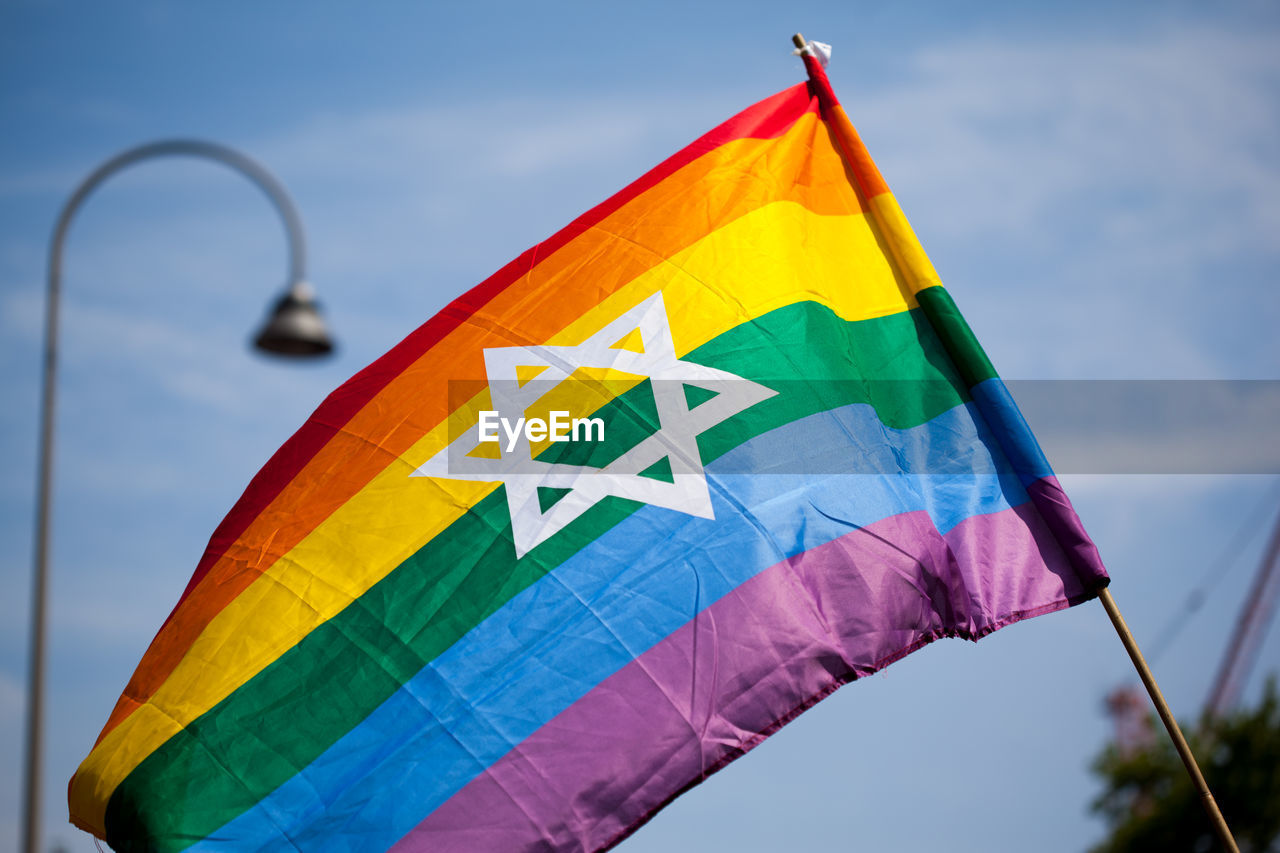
x=1251, y=628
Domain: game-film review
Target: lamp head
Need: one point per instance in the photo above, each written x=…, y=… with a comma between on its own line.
x=295, y=328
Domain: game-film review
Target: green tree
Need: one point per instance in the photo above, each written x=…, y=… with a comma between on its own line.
x=1149, y=803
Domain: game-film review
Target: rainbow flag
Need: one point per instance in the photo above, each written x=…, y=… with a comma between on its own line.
x=762, y=455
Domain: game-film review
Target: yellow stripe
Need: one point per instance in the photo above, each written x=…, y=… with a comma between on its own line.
x=772, y=257
x=908, y=254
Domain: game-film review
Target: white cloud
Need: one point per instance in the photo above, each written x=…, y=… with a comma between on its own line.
x=1013, y=131
x=1101, y=208
x=102, y=338
x=497, y=140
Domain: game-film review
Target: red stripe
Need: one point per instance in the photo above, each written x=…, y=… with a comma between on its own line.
x=767, y=119
x=819, y=85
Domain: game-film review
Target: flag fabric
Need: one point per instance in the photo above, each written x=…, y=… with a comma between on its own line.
x=795, y=466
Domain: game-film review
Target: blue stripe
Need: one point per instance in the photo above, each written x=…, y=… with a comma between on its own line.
x=1016, y=439
x=556, y=640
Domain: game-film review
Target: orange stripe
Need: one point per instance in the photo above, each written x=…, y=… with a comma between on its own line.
x=870, y=181
x=801, y=166
x=864, y=169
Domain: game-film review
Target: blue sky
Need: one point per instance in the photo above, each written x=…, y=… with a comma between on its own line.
x=1098, y=185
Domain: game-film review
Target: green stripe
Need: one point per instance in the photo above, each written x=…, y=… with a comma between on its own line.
x=962, y=345
x=273, y=725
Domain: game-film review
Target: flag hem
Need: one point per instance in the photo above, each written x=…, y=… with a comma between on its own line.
x=843, y=679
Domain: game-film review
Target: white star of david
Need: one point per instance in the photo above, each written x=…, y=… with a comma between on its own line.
x=676, y=438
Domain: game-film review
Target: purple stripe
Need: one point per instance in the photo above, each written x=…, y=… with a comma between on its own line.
x=748, y=664
x=1055, y=507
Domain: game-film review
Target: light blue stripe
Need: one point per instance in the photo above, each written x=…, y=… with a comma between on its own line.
x=643, y=579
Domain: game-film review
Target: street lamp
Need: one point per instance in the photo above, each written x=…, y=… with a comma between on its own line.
x=293, y=329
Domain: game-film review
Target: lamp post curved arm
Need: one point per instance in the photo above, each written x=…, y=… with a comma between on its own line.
x=295, y=309
x=241, y=163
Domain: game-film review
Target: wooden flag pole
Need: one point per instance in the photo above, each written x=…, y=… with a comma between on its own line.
x=849, y=142
x=1170, y=723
